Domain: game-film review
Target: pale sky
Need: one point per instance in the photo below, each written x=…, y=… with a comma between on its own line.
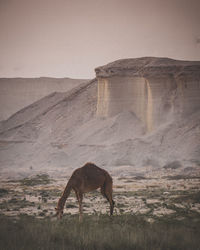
x=69, y=38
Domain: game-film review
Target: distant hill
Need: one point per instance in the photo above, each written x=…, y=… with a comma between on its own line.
x=62, y=131
x=17, y=93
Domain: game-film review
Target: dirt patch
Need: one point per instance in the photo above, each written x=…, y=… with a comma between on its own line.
x=151, y=197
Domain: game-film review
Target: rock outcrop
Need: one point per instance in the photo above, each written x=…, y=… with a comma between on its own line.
x=106, y=122
x=157, y=90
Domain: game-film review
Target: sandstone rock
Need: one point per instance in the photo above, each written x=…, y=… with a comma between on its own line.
x=157, y=90
x=64, y=130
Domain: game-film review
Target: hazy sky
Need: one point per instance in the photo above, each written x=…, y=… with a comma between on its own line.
x=69, y=38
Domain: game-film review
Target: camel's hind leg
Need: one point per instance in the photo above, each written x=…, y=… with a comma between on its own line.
x=80, y=199
x=106, y=191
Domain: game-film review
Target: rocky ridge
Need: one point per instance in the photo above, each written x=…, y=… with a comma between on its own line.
x=149, y=66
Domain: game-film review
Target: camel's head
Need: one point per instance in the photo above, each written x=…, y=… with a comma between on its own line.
x=59, y=212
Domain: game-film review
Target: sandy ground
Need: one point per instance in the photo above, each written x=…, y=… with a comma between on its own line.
x=155, y=173
x=152, y=193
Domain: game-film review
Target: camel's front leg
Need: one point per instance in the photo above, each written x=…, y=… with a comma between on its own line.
x=80, y=199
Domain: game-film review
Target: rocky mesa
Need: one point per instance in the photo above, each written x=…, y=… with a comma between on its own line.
x=157, y=90
x=136, y=113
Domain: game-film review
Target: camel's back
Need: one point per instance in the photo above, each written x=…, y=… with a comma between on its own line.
x=92, y=174
x=91, y=169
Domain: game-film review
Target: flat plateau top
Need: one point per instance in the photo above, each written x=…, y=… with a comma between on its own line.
x=148, y=66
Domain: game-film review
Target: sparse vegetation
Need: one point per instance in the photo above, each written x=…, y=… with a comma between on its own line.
x=98, y=232
x=71, y=205
x=16, y=204
x=173, y=165
x=181, y=177
x=150, y=213
x=3, y=192
x=193, y=197
x=41, y=179
x=197, y=162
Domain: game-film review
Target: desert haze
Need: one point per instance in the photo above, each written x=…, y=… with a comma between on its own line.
x=17, y=93
x=137, y=112
x=139, y=119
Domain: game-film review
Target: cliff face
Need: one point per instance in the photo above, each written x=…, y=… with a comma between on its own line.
x=62, y=131
x=157, y=90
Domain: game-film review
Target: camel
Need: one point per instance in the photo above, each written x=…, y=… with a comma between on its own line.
x=83, y=180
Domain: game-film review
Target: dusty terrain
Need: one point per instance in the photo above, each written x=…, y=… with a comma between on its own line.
x=172, y=191
x=18, y=93
x=155, y=173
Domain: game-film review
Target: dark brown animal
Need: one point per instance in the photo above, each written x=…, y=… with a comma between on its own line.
x=83, y=180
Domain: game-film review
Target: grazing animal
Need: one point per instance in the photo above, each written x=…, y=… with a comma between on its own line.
x=83, y=180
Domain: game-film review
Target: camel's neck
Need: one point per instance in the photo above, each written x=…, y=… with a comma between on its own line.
x=64, y=196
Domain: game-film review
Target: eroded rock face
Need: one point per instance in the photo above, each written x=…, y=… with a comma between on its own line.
x=61, y=131
x=157, y=90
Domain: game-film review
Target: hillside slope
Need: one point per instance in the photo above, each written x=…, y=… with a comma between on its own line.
x=17, y=93
x=62, y=131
